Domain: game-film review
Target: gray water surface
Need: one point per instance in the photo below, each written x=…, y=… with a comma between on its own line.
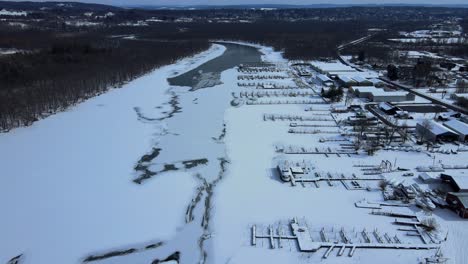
x=234, y=55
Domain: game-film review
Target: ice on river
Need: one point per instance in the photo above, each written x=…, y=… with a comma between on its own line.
x=66, y=185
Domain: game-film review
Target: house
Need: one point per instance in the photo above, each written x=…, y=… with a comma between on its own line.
x=459, y=127
x=458, y=182
x=324, y=80
x=458, y=202
x=436, y=131
x=375, y=94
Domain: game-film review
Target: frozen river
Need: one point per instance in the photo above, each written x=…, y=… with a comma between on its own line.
x=129, y=171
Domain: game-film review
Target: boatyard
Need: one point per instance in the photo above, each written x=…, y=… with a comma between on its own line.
x=361, y=169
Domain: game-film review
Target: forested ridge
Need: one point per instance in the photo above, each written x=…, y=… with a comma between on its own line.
x=61, y=64
x=57, y=69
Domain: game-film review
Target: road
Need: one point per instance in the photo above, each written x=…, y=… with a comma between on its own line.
x=401, y=86
x=425, y=96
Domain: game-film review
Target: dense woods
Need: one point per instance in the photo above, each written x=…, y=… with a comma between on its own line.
x=59, y=69
x=61, y=63
x=299, y=40
x=37, y=84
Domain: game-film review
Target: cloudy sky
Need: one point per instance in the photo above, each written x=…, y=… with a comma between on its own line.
x=296, y=2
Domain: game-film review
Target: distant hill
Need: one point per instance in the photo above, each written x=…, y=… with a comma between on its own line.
x=78, y=6
x=72, y=6
x=283, y=6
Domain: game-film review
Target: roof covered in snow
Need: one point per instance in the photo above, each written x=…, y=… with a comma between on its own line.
x=359, y=78
x=457, y=126
x=439, y=129
x=323, y=78
x=332, y=66
x=378, y=91
x=386, y=106
x=346, y=79
x=461, y=180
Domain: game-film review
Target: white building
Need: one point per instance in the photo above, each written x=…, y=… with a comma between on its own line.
x=436, y=131
x=375, y=94
x=323, y=79
x=459, y=127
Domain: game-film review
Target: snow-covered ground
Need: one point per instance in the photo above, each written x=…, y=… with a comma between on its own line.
x=66, y=188
x=252, y=193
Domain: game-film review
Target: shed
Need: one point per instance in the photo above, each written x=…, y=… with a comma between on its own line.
x=458, y=182
x=459, y=203
x=459, y=127
x=436, y=132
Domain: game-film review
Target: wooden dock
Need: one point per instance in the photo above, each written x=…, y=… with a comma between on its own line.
x=372, y=240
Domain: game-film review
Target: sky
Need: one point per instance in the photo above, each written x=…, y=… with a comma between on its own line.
x=294, y=2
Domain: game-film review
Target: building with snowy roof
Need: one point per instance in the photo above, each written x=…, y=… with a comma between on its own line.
x=323, y=79
x=460, y=127
x=331, y=66
x=375, y=94
x=388, y=108
x=361, y=81
x=347, y=81
x=436, y=131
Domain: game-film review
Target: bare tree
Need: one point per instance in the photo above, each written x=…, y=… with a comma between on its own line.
x=425, y=130
x=430, y=224
x=391, y=129
x=462, y=86
x=383, y=184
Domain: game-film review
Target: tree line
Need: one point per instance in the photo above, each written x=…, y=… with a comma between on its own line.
x=40, y=83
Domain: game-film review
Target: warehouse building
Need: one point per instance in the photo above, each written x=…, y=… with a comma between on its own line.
x=436, y=132
x=324, y=80
x=347, y=81
x=459, y=127
x=361, y=81
x=375, y=94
